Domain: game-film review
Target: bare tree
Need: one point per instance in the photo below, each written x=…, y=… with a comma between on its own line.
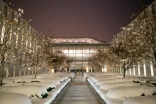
x=101, y=58
x=10, y=26
x=37, y=55
x=68, y=63
x=128, y=49
x=58, y=60
x=146, y=30
x=93, y=63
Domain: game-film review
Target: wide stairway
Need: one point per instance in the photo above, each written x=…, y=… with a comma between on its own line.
x=79, y=93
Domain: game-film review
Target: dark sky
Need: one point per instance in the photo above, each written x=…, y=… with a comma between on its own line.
x=99, y=19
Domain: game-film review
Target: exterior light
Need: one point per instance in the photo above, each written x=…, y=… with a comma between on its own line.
x=123, y=28
x=131, y=24
x=128, y=29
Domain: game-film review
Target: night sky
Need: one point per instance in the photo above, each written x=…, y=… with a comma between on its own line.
x=99, y=19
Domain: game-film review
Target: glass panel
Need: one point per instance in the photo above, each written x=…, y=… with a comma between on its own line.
x=78, y=55
x=86, y=55
x=86, y=51
x=65, y=51
x=85, y=63
x=71, y=51
x=72, y=56
x=92, y=51
x=79, y=51
x=71, y=47
x=78, y=47
x=78, y=58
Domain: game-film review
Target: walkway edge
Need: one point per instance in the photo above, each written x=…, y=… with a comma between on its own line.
x=60, y=95
x=96, y=95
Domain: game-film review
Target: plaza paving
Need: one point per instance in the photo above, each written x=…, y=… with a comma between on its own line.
x=79, y=93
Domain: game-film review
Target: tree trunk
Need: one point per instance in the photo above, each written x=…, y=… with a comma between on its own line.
x=124, y=72
x=14, y=70
x=28, y=72
x=32, y=70
x=20, y=69
x=154, y=64
x=35, y=72
x=1, y=75
x=24, y=72
x=7, y=71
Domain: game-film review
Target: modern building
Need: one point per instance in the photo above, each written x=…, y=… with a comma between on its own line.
x=80, y=50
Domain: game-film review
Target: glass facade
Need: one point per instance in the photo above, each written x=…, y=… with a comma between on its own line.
x=79, y=49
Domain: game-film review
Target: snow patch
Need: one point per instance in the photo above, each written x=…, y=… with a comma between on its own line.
x=14, y=98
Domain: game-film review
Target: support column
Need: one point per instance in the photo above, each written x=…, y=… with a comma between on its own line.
x=144, y=65
x=7, y=70
x=43, y=70
x=121, y=70
x=138, y=68
x=130, y=72
x=52, y=71
x=91, y=69
x=19, y=73
x=133, y=69
x=151, y=67
x=28, y=72
x=64, y=69
x=24, y=72
x=113, y=70
x=40, y=70
x=14, y=70
x=32, y=70
x=6, y=73
x=104, y=69
x=87, y=69
x=126, y=72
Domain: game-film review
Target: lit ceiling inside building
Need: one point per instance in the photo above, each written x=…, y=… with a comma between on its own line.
x=76, y=40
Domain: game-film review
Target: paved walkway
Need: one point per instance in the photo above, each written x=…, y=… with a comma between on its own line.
x=79, y=93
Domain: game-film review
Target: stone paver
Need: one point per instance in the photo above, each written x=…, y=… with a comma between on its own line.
x=79, y=93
